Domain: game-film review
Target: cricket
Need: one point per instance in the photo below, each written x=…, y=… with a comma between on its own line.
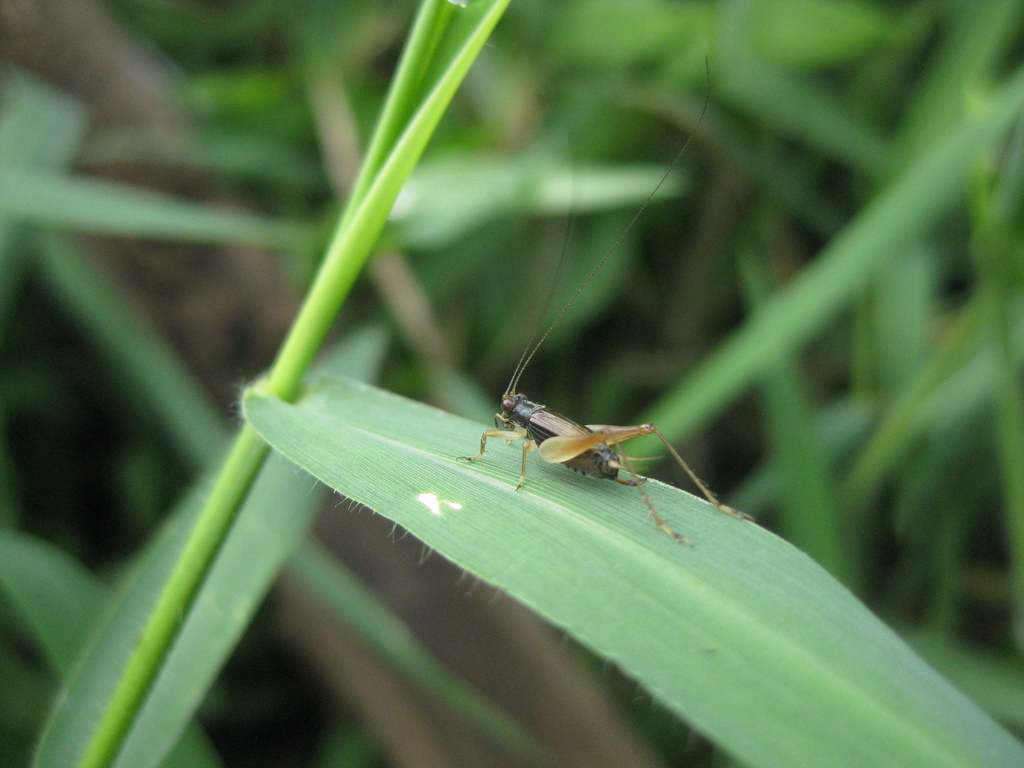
x=593, y=449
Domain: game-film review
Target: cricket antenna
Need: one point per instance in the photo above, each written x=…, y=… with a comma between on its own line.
x=529, y=352
x=562, y=258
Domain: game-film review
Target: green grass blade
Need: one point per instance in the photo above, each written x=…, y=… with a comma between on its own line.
x=59, y=602
x=349, y=248
x=149, y=365
x=957, y=378
x=742, y=634
x=54, y=596
x=996, y=681
x=106, y=207
x=443, y=200
x=271, y=524
x=801, y=310
x=364, y=219
x=406, y=93
x=808, y=516
x=976, y=41
x=800, y=108
x=353, y=603
x=38, y=128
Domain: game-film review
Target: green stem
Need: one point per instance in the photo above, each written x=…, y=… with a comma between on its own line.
x=236, y=477
x=1009, y=426
x=425, y=82
x=423, y=41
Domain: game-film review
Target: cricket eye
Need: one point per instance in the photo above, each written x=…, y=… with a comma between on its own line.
x=507, y=404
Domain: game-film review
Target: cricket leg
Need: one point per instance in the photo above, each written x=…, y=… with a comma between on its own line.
x=528, y=445
x=507, y=435
x=566, y=447
x=651, y=429
x=616, y=435
x=638, y=482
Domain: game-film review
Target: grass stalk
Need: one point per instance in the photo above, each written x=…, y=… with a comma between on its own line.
x=436, y=59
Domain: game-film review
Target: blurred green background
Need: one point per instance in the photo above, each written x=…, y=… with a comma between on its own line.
x=823, y=307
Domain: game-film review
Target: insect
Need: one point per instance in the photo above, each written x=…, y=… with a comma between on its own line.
x=593, y=449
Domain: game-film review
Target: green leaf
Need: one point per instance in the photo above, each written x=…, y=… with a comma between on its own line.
x=607, y=34
x=742, y=634
x=821, y=33
x=994, y=680
x=40, y=128
x=798, y=107
x=355, y=605
x=106, y=207
x=149, y=367
x=431, y=69
x=271, y=524
x=445, y=199
x=911, y=204
x=54, y=596
x=59, y=602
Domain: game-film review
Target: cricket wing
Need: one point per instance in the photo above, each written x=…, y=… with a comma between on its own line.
x=562, y=448
x=611, y=434
x=546, y=424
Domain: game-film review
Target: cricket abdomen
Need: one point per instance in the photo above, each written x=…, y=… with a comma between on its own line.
x=600, y=461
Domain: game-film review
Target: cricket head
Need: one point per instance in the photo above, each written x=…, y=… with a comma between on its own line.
x=503, y=420
x=516, y=410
